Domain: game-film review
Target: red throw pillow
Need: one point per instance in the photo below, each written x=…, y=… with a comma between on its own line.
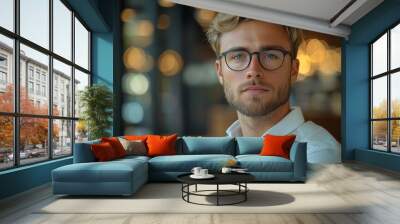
x=116, y=145
x=103, y=151
x=277, y=145
x=161, y=145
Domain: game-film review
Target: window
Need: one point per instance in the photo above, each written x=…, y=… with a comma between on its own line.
x=7, y=14
x=37, y=75
x=3, y=78
x=3, y=61
x=30, y=87
x=54, y=125
x=38, y=89
x=43, y=90
x=385, y=91
x=43, y=77
x=30, y=72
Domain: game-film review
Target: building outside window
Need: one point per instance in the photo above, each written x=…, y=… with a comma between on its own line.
x=59, y=134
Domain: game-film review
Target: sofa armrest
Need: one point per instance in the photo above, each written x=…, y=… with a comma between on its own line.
x=298, y=154
x=83, y=153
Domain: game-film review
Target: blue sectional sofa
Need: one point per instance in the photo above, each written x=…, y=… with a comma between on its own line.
x=125, y=176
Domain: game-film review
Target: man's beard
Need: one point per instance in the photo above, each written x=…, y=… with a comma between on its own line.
x=257, y=105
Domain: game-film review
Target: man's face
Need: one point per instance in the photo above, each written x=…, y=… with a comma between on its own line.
x=256, y=91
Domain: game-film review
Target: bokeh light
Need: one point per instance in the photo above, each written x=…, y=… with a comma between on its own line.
x=127, y=15
x=144, y=28
x=332, y=63
x=163, y=22
x=166, y=3
x=315, y=55
x=134, y=58
x=135, y=84
x=204, y=17
x=170, y=63
x=137, y=59
x=132, y=112
x=316, y=50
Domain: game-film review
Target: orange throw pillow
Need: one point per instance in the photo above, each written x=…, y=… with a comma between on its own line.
x=103, y=151
x=161, y=145
x=116, y=145
x=277, y=145
x=135, y=137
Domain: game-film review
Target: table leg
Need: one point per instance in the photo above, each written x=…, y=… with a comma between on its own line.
x=196, y=188
x=217, y=194
x=245, y=191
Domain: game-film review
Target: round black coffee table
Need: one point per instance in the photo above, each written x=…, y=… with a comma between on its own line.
x=238, y=179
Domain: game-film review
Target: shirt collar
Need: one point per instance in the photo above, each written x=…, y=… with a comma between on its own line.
x=287, y=125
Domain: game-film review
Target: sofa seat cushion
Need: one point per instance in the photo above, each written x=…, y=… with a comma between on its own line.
x=111, y=171
x=257, y=163
x=184, y=163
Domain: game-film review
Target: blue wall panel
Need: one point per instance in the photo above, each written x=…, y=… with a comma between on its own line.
x=356, y=85
x=24, y=178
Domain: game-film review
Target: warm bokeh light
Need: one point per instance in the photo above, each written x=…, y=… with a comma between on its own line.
x=127, y=15
x=332, y=63
x=166, y=3
x=204, y=17
x=306, y=67
x=316, y=50
x=144, y=28
x=135, y=84
x=132, y=112
x=135, y=58
x=170, y=63
x=316, y=57
x=163, y=22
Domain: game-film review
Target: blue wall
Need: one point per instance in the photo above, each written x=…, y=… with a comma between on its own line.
x=355, y=51
x=102, y=17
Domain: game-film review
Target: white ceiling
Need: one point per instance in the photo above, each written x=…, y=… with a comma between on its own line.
x=325, y=16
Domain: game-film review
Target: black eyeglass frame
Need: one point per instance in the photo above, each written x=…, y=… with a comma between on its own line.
x=285, y=52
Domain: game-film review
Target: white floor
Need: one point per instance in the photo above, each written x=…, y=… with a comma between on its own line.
x=378, y=189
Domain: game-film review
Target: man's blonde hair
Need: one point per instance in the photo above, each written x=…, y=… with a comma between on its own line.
x=223, y=23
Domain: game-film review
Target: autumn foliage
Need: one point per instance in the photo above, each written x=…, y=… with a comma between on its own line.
x=33, y=130
x=380, y=127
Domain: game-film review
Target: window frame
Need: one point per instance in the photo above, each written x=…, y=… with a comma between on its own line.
x=388, y=74
x=16, y=115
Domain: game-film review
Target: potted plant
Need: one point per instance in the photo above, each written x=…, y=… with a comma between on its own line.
x=96, y=104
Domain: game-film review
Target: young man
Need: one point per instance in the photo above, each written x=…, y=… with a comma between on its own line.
x=256, y=65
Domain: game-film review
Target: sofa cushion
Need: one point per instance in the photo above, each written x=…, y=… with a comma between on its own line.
x=135, y=137
x=206, y=145
x=103, y=151
x=161, y=145
x=249, y=145
x=277, y=145
x=111, y=171
x=185, y=163
x=116, y=145
x=257, y=163
x=133, y=147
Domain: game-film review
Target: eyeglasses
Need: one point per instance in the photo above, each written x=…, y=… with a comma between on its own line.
x=269, y=59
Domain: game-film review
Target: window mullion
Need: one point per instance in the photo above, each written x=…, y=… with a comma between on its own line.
x=389, y=113
x=16, y=70
x=73, y=82
x=50, y=81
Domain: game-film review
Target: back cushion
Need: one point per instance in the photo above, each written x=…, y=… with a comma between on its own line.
x=206, y=145
x=249, y=145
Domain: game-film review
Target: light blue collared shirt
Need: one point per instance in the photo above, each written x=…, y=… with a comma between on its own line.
x=322, y=147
